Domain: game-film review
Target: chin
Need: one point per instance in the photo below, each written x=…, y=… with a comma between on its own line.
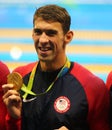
x=46, y=59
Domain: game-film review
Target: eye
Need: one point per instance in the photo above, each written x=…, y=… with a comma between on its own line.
x=51, y=32
x=38, y=31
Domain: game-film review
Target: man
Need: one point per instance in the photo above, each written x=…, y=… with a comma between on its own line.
x=57, y=92
x=109, y=86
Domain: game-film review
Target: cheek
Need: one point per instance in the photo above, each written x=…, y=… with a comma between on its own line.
x=61, y=44
x=35, y=38
x=36, y=41
x=59, y=47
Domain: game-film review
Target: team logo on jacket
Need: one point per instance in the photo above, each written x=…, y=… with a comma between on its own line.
x=62, y=104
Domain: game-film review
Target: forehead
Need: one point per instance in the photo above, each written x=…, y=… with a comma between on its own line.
x=42, y=24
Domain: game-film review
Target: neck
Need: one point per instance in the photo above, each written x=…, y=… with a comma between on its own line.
x=52, y=65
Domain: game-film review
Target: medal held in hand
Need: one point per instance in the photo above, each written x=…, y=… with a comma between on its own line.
x=16, y=79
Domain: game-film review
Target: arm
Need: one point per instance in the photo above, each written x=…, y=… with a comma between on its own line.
x=99, y=107
x=109, y=86
x=4, y=71
x=12, y=123
x=13, y=102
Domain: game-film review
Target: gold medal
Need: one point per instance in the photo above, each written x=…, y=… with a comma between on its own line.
x=16, y=79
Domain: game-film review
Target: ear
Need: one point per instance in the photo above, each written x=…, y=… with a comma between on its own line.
x=68, y=37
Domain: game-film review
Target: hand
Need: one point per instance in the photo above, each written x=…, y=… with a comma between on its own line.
x=12, y=100
x=62, y=128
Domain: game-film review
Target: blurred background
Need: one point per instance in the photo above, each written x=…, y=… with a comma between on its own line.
x=91, y=23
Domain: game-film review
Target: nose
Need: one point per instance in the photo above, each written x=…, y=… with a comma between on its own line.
x=43, y=38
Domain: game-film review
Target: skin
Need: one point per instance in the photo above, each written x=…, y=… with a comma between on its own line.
x=50, y=44
x=12, y=100
x=63, y=128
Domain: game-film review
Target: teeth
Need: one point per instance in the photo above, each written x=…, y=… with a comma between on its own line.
x=44, y=49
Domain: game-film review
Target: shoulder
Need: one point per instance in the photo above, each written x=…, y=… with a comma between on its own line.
x=23, y=70
x=84, y=75
x=109, y=80
x=95, y=89
x=91, y=83
x=4, y=71
x=3, y=68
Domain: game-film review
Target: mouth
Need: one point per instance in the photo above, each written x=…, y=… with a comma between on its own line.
x=44, y=49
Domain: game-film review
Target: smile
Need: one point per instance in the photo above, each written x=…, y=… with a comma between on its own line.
x=45, y=48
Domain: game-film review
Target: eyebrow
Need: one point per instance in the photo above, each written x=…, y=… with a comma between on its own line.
x=44, y=30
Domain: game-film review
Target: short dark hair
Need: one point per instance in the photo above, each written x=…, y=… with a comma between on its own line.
x=54, y=13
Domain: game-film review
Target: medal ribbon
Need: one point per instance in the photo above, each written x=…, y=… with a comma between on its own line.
x=28, y=89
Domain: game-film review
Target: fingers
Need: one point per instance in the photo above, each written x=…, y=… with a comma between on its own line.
x=63, y=128
x=9, y=92
x=10, y=97
x=7, y=87
x=12, y=100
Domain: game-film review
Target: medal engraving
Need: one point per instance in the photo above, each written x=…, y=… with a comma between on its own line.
x=16, y=79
